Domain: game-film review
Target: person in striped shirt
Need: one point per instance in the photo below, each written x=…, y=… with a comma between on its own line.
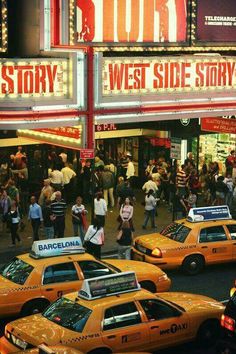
x=58, y=207
x=181, y=181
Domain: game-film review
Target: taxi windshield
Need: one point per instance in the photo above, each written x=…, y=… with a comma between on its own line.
x=176, y=232
x=68, y=314
x=17, y=271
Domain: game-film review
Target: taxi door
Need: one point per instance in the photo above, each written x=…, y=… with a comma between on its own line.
x=59, y=279
x=215, y=245
x=123, y=328
x=167, y=325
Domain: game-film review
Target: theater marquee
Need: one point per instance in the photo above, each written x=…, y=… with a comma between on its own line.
x=167, y=75
x=3, y=26
x=111, y=22
x=163, y=81
x=39, y=82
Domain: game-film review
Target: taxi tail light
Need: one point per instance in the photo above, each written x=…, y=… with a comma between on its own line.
x=156, y=252
x=228, y=323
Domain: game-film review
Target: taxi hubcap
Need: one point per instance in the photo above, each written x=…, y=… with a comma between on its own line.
x=193, y=265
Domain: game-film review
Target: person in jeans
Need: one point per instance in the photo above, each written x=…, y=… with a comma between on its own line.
x=125, y=241
x=13, y=220
x=150, y=208
x=35, y=216
x=58, y=207
x=77, y=212
x=48, y=219
x=100, y=208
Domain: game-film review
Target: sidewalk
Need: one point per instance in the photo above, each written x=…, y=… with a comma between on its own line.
x=164, y=217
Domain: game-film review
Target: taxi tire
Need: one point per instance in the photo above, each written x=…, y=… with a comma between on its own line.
x=148, y=285
x=208, y=333
x=34, y=306
x=100, y=351
x=198, y=260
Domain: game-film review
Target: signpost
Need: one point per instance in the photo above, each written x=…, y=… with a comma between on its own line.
x=175, y=150
x=86, y=154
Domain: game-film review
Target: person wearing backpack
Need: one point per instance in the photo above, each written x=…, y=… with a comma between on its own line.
x=125, y=241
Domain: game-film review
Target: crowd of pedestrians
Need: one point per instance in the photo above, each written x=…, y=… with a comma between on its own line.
x=46, y=200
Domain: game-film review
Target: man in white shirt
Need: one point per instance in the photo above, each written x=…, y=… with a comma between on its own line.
x=130, y=170
x=150, y=184
x=68, y=175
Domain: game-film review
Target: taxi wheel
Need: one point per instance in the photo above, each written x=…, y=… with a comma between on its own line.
x=193, y=265
x=208, y=333
x=148, y=285
x=100, y=351
x=34, y=306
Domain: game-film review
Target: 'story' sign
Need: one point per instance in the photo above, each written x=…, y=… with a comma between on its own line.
x=33, y=78
x=130, y=21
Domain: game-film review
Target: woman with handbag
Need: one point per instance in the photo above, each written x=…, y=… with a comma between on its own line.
x=94, y=239
x=77, y=212
x=125, y=241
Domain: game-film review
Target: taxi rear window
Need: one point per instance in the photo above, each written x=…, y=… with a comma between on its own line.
x=17, y=271
x=68, y=314
x=176, y=232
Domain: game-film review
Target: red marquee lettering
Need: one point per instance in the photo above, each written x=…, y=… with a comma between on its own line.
x=7, y=87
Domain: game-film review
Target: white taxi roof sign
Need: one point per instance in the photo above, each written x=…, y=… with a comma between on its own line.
x=219, y=212
x=56, y=247
x=109, y=285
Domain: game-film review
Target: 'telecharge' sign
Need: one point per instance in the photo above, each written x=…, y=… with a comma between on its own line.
x=161, y=75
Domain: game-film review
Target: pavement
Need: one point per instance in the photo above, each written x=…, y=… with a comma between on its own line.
x=163, y=218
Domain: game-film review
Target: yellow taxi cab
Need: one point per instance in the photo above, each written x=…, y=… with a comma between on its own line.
x=30, y=282
x=56, y=349
x=113, y=314
x=59, y=349
x=206, y=236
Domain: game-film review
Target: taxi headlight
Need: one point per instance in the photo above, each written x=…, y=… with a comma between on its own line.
x=19, y=342
x=156, y=252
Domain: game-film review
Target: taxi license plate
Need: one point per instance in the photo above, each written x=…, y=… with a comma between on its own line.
x=138, y=257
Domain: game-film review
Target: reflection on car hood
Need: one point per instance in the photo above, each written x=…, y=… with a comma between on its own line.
x=156, y=240
x=193, y=302
x=36, y=329
x=135, y=266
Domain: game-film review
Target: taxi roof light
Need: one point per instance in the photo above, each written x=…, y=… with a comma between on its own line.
x=108, y=285
x=56, y=247
x=219, y=212
x=157, y=252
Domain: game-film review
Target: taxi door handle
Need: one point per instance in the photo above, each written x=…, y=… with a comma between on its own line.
x=204, y=247
x=154, y=327
x=49, y=289
x=111, y=337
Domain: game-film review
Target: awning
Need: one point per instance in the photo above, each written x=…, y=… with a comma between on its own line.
x=124, y=133
x=17, y=142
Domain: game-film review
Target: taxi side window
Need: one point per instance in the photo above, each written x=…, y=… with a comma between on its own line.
x=121, y=316
x=91, y=269
x=157, y=310
x=232, y=230
x=212, y=234
x=59, y=273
